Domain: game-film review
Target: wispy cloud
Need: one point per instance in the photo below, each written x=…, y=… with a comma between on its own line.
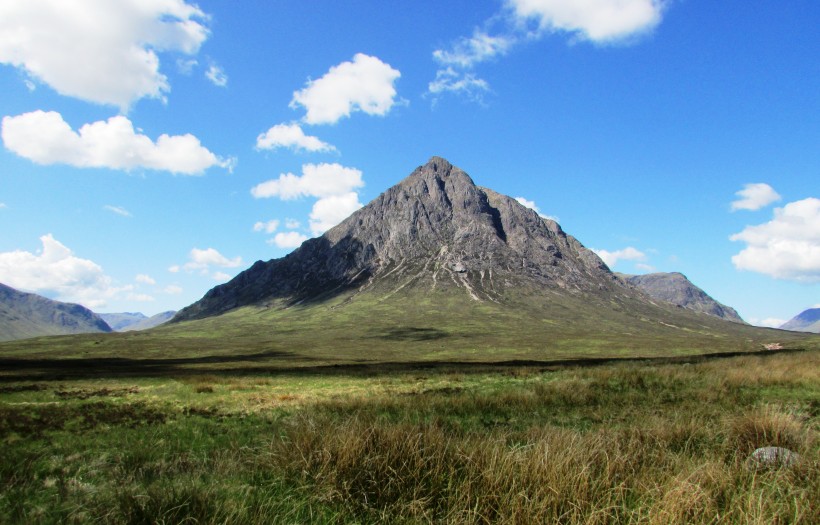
x=597, y=21
x=118, y=210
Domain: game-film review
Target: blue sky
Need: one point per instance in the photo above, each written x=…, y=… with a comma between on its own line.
x=153, y=149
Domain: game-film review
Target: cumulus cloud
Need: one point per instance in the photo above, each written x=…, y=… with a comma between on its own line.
x=221, y=277
x=288, y=239
x=317, y=180
x=330, y=211
x=45, y=138
x=172, y=289
x=755, y=196
x=55, y=272
x=217, y=76
x=98, y=50
x=291, y=136
x=145, y=279
x=118, y=210
x=366, y=84
x=266, y=226
x=627, y=254
x=599, y=21
x=203, y=259
x=787, y=247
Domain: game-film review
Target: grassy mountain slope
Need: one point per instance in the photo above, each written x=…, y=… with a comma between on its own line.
x=24, y=315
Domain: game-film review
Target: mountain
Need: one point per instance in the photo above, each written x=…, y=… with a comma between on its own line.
x=675, y=288
x=132, y=321
x=24, y=315
x=434, y=230
x=807, y=321
x=119, y=321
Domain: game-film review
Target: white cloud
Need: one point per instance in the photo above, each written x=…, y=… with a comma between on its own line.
x=3, y=205
x=366, y=84
x=217, y=76
x=98, y=50
x=267, y=226
x=627, y=254
x=467, y=52
x=292, y=224
x=118, y=210
x=317, y=180
x=186, y=66
x=465, y=83
x=172, y=289
x=291, y=136
x=45, y=138
x=145, y=279
x=755, y=196
x=221, y=277
x=531, y=205
x=54, y=271
x=203, y=259
x=787, y=247
x=769, y=322
x=288, y=239
x=330, y=211
x=528, y=203
x=597, y=20
x=174, y=269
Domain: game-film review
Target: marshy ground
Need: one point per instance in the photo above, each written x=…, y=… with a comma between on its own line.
x=632, y=442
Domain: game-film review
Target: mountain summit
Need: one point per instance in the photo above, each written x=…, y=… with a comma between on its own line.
x=436, y=229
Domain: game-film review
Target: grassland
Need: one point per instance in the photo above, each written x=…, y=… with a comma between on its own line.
x=635, y=442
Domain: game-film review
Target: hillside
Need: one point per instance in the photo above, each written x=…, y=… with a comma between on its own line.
x=24, y=315
x=676, y=289
x=129, y=321
x=806, y=321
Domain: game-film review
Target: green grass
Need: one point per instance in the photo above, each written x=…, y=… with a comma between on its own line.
x=640, y=442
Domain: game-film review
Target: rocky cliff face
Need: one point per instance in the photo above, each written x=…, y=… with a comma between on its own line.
x=25, y=315
x=435, y=229
x=675, y=288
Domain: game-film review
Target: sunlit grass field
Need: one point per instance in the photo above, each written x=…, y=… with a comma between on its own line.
x=634, y=442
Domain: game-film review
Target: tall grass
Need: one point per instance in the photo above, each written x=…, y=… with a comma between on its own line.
x=638, y=444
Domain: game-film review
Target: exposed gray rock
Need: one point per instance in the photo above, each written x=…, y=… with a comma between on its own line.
x=25, y=315
x=772, y=457
x=416, y=234
x=675, y=288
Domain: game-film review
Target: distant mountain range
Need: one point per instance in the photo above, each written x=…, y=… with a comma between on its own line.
x=24, y=315
x=807, y=321
x=675, y=288
x=132, y=321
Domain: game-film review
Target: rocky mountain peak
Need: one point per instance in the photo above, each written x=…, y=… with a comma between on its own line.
x=435, y=229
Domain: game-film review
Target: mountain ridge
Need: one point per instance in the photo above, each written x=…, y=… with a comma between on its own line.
x=677, y=289
x=806, y=321
x=24, y=315
x=436, y=222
